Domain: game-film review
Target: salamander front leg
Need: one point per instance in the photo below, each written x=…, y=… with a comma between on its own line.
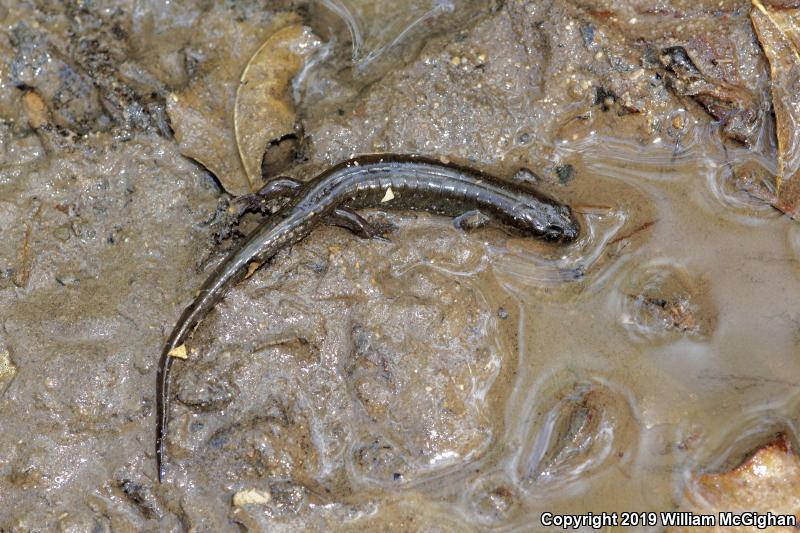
x=354, y=222
x=471, y=220
x=259, y=201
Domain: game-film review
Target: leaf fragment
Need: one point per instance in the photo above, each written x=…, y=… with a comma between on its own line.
x=202, y=114
x=767, y=482
x=264, y=110
x=778, y=31
x=179, y=352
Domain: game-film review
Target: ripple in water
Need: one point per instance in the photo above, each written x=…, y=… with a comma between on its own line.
x=660, y=159
x=492, y=498
x=732, y=188
x=534, y=263
x=725, y=452
x=574, y=433
x=661, y=302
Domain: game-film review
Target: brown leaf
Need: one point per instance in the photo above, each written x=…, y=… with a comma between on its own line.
x=769, y=481
x=202, y=114
x=264, y=111
x=778, y=31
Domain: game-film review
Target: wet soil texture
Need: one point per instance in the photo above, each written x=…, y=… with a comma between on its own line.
x=442, y=379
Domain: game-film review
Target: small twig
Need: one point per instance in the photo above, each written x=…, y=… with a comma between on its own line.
x=634, y=231
x=22, y=276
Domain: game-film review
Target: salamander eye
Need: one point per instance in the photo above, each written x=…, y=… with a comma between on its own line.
x=553, y=232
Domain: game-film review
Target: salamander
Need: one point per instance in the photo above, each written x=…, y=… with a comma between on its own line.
x=385, y=181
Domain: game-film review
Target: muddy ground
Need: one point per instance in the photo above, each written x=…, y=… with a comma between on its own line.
x=440, y=380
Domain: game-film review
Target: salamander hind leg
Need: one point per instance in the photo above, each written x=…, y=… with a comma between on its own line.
x=259, y=201
x=354, y=222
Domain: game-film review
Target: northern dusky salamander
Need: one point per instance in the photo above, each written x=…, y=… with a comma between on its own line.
x=385, y=181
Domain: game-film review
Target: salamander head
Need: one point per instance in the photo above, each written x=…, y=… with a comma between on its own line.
x=552, y=221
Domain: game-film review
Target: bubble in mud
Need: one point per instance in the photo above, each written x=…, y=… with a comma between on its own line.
x=575, y=432
x=492, y=498
x=662, y=301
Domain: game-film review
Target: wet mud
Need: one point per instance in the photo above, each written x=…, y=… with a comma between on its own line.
x=444, y=379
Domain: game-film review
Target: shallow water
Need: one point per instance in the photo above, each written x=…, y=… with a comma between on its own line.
x=615, y=401
x=676, y=395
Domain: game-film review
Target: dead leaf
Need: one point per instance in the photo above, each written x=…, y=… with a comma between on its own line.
x=778, y=31
x=264, y=110
x=769, y=481
x=202, y=114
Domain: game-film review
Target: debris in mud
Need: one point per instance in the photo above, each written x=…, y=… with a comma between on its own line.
x=24, y=257
x=202, y=114
x=264, y=111
x=35, y=109
x=142, y=496
x=251, y=497
x=673, y=314
x=252, y=267
x=732, y=105
x=565, y=173
x=663, y=299
x=778, y=31
x=203, y=392
x=67, y=91
x=7, y=370
x=574, y=432
x=179, y=352
x=493, y=498
x=769, y=481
